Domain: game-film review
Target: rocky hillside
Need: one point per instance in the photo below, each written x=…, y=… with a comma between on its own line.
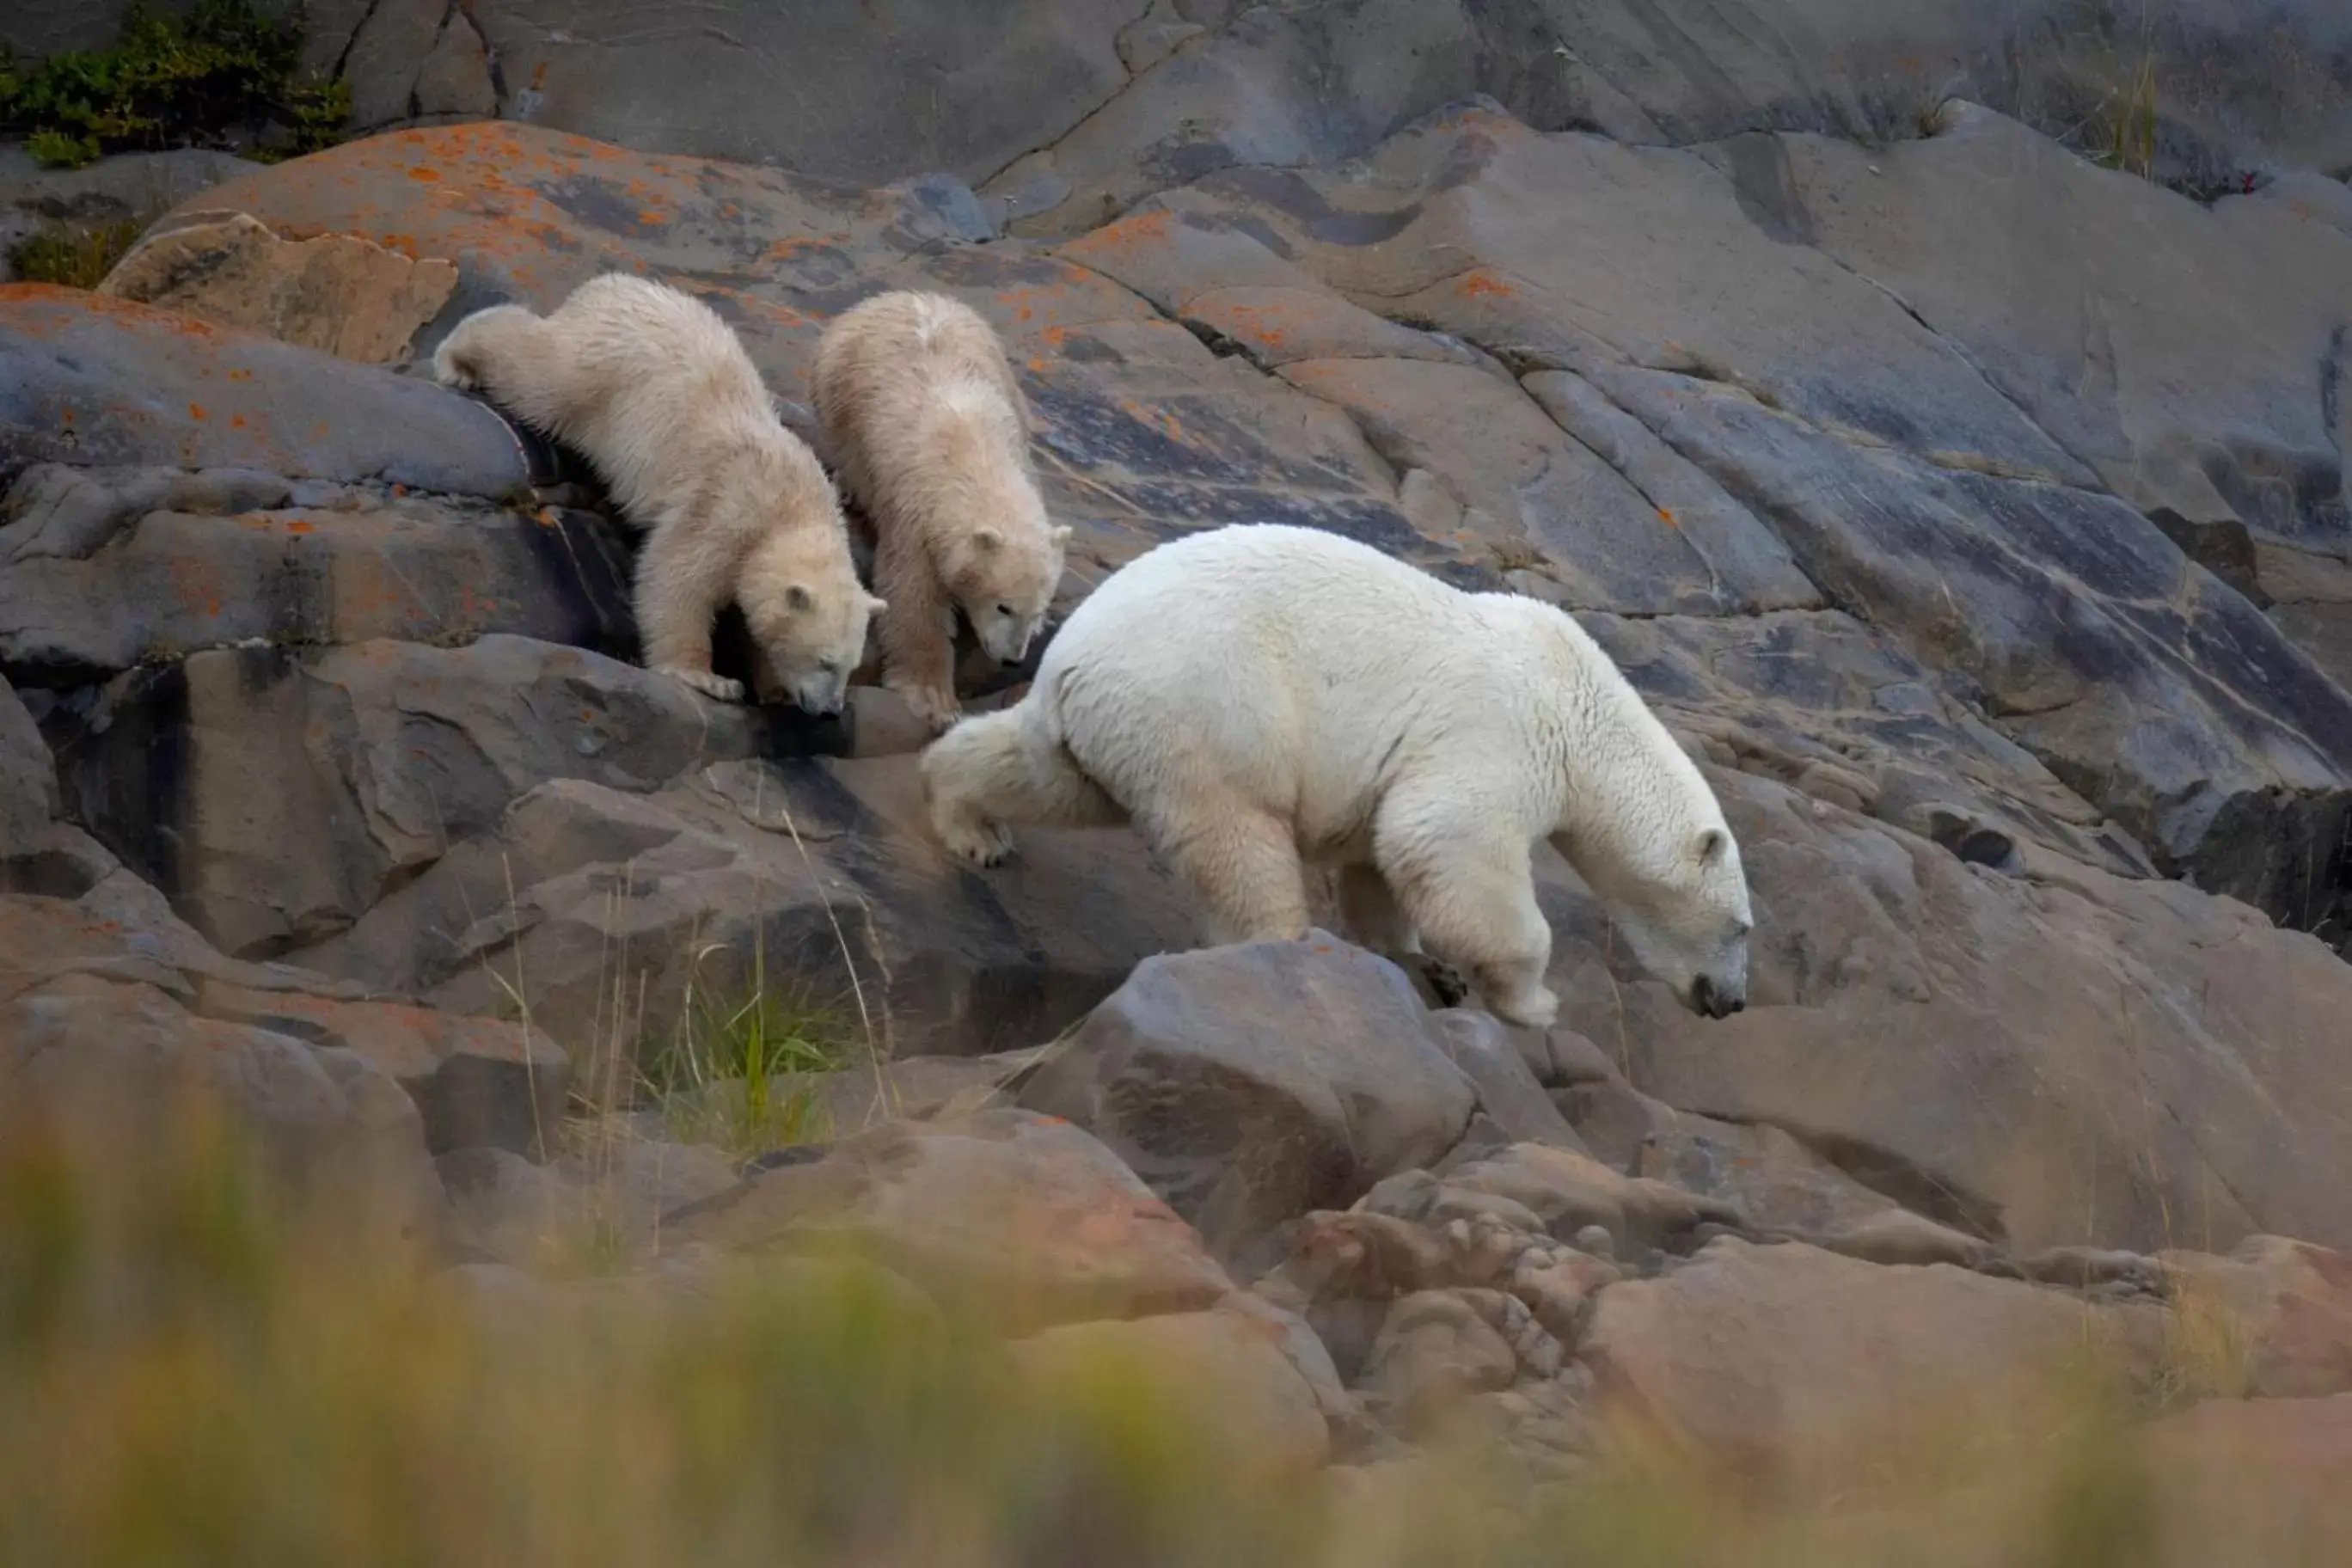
x=1976, y=511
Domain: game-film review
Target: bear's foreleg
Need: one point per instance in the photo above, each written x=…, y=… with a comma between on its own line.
x=1473, y=902
x=683, y=579
x=917, y=629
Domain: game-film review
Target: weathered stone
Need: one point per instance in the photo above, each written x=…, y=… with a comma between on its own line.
x=172, y=584
x=87, y=380
x=377, y=758
x=28, y=776
x=1021, y=1218
x=1953, y=1037
x=2271, y=1320
x=1247, y=1085
x=599, y=1210
x=478, y=1082
x=116, y=1062
x=2248, y=1480
x=1568, y=1191
x=1224, y=1369
x=1507, y=1091
x=1435, y=1349
x=1774, y=1358
x=601, y=909
x=337, y=293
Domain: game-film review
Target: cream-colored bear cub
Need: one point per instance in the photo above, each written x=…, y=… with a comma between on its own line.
x=658, y=393
x=931, y=436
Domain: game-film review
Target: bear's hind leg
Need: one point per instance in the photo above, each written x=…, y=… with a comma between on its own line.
x=1244, y=864
x=1473, y=903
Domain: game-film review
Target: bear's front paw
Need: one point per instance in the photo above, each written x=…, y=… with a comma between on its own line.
x=935, y=706
x=1535, y=1008
x=983, y=845
x=716, y=687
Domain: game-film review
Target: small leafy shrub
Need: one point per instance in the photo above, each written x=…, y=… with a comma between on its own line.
x=223, y=75
x=77, y=258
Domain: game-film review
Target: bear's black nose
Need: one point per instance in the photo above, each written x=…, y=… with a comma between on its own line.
x=1710, y=1000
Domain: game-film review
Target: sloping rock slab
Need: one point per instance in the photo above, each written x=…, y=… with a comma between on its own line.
x=1020, y=1217
x=1770, y=1359
x=88, y=380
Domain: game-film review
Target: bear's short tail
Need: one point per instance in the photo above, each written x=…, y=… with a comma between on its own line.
x=1009, y=769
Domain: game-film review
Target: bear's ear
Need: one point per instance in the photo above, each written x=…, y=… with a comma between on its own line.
x=1061, y=535
x=987, y=541
x=1711, y=845
x=799, y=598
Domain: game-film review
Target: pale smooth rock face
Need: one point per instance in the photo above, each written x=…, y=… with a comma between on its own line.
x=1973, y=517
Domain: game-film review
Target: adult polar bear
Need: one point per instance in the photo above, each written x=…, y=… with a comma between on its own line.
x=1255, y=697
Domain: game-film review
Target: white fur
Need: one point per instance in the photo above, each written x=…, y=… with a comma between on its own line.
x=929, y=426
x=658, y=394
x=1259, y=696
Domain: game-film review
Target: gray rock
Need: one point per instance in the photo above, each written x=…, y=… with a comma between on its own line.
x=377, y=757
x=820, y=877
x=173, y=583
x=1507, y=1091
x=124, y=386
x=28, y=777
x=1016, y=1218
x=1247, y=1085
x=116, y=1062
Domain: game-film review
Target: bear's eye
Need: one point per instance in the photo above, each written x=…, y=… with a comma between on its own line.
x=1006, y=610
x=829, y=666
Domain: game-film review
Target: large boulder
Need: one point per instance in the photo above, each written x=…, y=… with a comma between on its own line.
x=1247, y=1085
x=90, y=381
x=1019, y=1218
x=1773, y=1359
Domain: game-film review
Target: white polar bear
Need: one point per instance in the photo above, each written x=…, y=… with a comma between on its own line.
x=931, y=433
x=1257, y=697
x=658, y=394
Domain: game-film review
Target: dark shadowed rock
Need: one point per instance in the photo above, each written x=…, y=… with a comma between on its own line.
x=1507, y=1091
x=28, y=776
x=478, y=1082
x=377, y=758
x=1247, y=1085
x=81, y=596
x=1021, y=1218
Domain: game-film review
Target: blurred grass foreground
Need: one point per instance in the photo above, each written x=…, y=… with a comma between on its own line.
x=202, y=1363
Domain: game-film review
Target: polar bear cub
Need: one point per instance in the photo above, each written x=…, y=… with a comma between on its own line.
x=932, y=436
x=658, y=393
x=1259, y=696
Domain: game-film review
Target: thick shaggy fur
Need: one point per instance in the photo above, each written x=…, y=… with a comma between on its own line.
x=929, y=427
x=1257, y=698
x=658, y=393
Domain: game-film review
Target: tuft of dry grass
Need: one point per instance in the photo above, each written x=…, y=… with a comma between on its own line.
x=74, y=256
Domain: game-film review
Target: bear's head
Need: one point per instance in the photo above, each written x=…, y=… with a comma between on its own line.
x=1688, y=920
x=808, y=611
x=1004, y=578
x=1658, y=853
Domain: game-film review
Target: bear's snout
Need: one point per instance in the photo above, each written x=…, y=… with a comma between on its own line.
x=1714, y=1001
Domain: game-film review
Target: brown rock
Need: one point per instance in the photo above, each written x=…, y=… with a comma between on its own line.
x=1771, y=1359
x=337, y=293
x=1570, y=1191
x=2273, y=1319
x=2253, y=1480
x=1021, y=1218
x=477, y=1081
x=1434, y=1350
x=1225, y=1368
